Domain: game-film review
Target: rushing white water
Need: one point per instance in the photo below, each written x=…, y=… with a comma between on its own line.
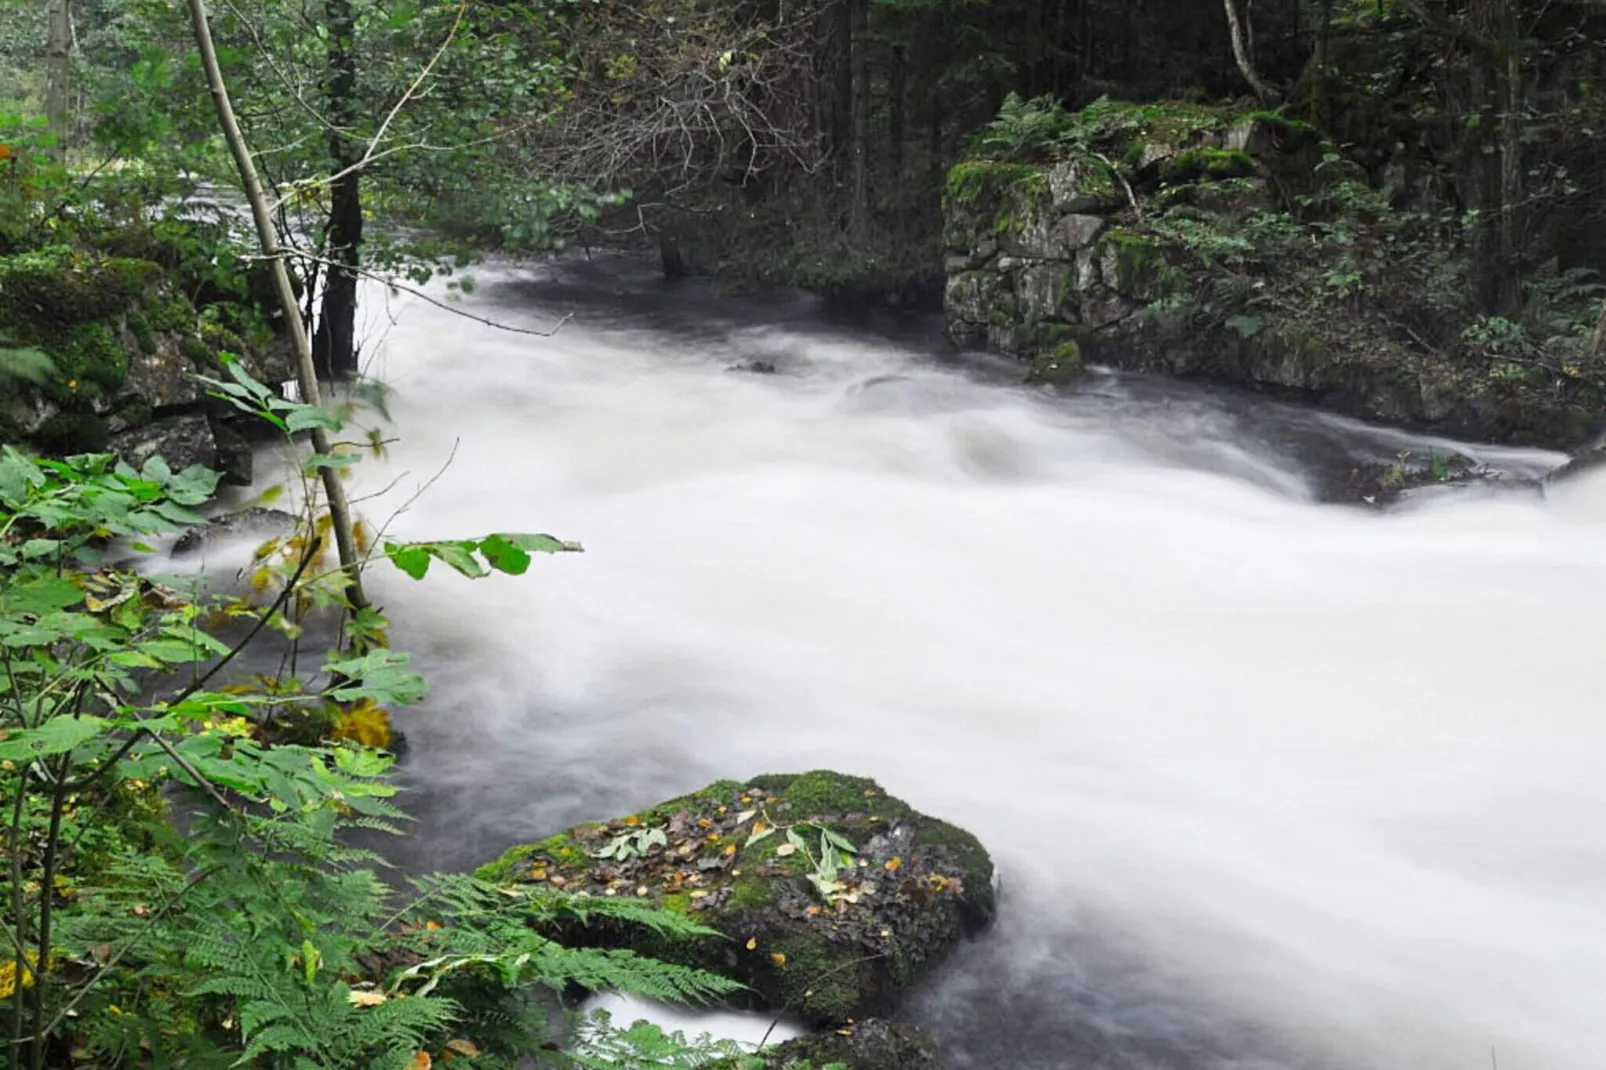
x=1269, y=783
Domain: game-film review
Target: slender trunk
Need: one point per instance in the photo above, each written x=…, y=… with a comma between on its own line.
x=1485, y=72
x=1597, y=343
x=268, y=239
x=334, y=343
x=895, y=116
x=58, y=72
x=1511, y=213
x=1240, y=53
x=859, y=68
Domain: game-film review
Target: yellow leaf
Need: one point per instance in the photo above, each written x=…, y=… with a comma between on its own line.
x=730, y=848
x=778, y=958
x=463, y=1047
x=366, y=999
x=752, y=943
x=422, y=1061
x=892, y=865
x=786, y=849
x=759, y=827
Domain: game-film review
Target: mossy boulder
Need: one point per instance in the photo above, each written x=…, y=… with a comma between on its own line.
x=875, y=1044
x=751, y=860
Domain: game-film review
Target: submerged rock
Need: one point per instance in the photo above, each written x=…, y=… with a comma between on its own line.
x=253, y=521
x=830, y=897
x=1379, y=485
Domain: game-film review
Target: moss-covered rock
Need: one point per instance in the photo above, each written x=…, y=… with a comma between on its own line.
x=754, y=860
x=1059, y=366
x=875, y=1044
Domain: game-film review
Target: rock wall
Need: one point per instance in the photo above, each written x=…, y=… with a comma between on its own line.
x=123, y=345
x=1153, y=251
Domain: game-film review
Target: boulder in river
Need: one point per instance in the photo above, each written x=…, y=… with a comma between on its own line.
x=873, y=1044
x=831, y=898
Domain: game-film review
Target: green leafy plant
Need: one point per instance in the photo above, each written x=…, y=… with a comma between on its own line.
x=261, y=935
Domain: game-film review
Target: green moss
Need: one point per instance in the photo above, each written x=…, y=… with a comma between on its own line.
x=981, y=184
x=562, y=848
x=975, y=867
x=1057, y=367
x=821, y=793
x=90, y=361
x=1201, y=163
x=49, y=288
x=1141, y=269
x=815, y=981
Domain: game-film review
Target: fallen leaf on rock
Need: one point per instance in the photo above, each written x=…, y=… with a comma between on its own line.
x=778, y=958
x=752, y=943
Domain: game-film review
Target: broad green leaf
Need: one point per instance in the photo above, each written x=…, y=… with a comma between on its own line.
x=504, y=556
x=38, y=596
x=411, y=558
x=56, y=736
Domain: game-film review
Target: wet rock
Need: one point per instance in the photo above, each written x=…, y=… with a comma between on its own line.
x=255, y=521
x=181, y=441
x=831, y=898
x=873, y=1044
x=1380, y=485
x=756, y=367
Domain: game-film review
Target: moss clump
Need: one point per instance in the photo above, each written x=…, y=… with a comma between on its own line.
x=1207, y=163
x=55, y=286
x=1141, y=269
x=980, y=184
x=815, y=981
x=1057, y=367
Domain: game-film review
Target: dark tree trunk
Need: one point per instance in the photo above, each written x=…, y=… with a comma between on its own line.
x=334, y=343
x=859, y=68
x=895, y=114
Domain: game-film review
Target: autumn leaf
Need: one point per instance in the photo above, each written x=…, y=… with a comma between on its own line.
x=892, y=865
x=752, y=943
x=778, y=958
x=786, y=849
x=422, y=1061
x=366, y=999
x=463, y=1047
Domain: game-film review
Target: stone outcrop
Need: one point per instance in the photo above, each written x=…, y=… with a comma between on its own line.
x=1164, y=243
x=123, y=345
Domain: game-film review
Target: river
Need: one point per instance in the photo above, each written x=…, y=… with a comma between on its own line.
x=1270, y=783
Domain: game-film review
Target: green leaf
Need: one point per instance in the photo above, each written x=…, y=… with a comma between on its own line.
x=174, y=651
x=39, y=596
x=381, y=675
x=504, y=556
x=305, y=418
x=411, y=558
x=56, y=736
x=460, y=555
x=540, y=544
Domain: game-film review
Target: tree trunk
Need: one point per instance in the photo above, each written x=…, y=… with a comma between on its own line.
x=268, y=239
x=58, y=72
x=1246, y=63
x=1511, y=213
x=859, y=68
x=1597, y=343
x=895, y=115
x=334, y=344
x=1485, y=75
